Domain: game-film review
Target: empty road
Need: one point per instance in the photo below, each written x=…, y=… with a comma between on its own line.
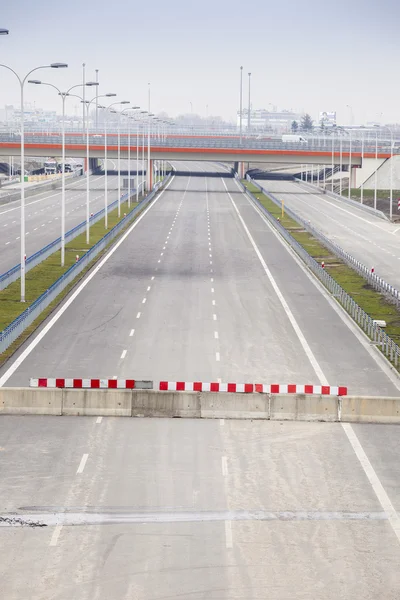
x=371, y=240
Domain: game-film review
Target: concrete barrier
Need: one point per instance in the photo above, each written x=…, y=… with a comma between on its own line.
x=152, y=403
x=111, y=403
x=304, y=408
x=358, y=409
x=234, y=406
x=24, y=401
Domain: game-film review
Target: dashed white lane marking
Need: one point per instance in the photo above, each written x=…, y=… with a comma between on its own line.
x=214, y=317
x=7, y=243
x=213, y=302
x=56, y=535
x=114, y=376
x=138, y=315
x=131, y=333
x=144, y=301
x=210, y=262
x=35, y=228
x=148, y=288
x=82, y=464
x=228, y=534
x=17, y=238
x=381, y=494
x=162, y=254
x=212, y=290
x=124, y=352
x=217, y=356
x=159, y=261
x=224, y=464
x=212, y=279
x=152, y=279
x=216, y=335
x=99, y=419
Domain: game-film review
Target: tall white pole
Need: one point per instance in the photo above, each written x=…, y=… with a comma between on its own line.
x=143, y=180
x=87, y=175
x=22, y=195
x=248, y=114
x=119, y=164
x=362, y=164
x=376, y=171
x=83, y=96
x=341, y=167
x=333, y=159
x=324, y=177
x=149, y=174
x=137, y=162
x=129, y=162
x=391, y=175
x=97, y=98
x=105, y=172
x=241, y=104
x=349, y=194
x=63, y=98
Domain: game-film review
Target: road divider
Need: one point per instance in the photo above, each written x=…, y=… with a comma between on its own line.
x=248, y=388
x=206, y=405
x=126, y=384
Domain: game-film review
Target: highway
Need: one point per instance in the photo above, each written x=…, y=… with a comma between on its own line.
x=43, y=215
x=161, y=509
x=202, y=289
x=371, y=240
x=199, y=289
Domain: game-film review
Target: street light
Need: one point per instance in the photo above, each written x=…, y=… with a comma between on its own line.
x=64, y=96
x=241, y=103
x=87, y=103
x=119, y=157
x=391, y=170
x=248, y=114
x=22, y=83
x=129, y=153
x=143, y=112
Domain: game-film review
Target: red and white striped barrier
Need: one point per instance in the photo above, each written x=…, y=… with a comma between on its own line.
x=121, y=384
x=248, y=388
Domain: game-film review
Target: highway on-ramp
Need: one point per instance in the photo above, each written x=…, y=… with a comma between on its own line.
x=200, y=289
x=369, y=239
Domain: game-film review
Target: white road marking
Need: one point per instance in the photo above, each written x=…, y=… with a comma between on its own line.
x=381, y=494
x=162, y=254
x=159, y=261
x=17, y=238
x=152, y=279
x=124, y=353
x=56, y=535
x=212, y=279
x=212, y=290
x=148, y=288
x=228, y=534
x=34, y=229
x=216, y=335
x=224, y=464
x=144, y=301
x=214, y=317
x=222, y=422
x=217, y=356
x=7, y=243
x=210, y=262
x=213, y=302
x=138, y=315
x=99, y=419
x=82, y=463
x=307, y=350
x=131, y=333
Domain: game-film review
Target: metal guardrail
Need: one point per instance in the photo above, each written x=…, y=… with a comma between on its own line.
x=376, y=282
x=365, y=322
x=35, y=259
x=18, y=326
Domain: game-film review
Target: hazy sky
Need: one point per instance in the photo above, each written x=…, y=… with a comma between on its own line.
x=303, y=54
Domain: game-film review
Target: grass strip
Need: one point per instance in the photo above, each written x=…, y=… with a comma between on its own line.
x=41, y=277
x=372, y=302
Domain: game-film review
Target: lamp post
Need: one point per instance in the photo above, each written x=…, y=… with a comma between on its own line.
x=119, y=157
x=87, y=104
x=391, y=170
x=349, y=191
x=22, y=83
x=97, y=98
x=142, y=112
x=64, y=96
x=341, y=167
x=129, y=153
x=376, y=171
x=248, y=113
x=333, y=158
x=241, y=103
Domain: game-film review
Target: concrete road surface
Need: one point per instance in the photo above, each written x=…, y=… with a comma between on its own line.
x=43, y=215
x=371, y=240
x=201, y=289
x=162, y=509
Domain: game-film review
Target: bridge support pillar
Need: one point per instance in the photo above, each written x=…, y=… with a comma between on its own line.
x=242, y=170
x=150, y=178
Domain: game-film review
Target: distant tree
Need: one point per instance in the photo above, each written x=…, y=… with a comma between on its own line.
x=307, y=123
x=295, y=126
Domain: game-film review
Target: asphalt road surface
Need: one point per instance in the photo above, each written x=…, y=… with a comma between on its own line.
x=43, y=215
x=202, y=289
x=166, y=509
x=371, y=240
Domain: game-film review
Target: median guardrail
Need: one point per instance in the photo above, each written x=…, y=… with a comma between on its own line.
x=32, y=261
x=376, y=282
x=388, y=347
x=18, y=326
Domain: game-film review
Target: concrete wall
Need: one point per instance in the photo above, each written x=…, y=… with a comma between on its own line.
x=151, y=403
x=366, y=175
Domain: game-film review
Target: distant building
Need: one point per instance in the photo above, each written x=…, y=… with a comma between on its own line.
x=265, y=120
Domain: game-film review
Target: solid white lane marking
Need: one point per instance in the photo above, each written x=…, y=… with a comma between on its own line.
x=214, y=317
x=228, y=534
x=138, y=315
x=124, y=353
x=56, y=535
x=307, y=350
x=217, y=356
x=216, y=335
x=374, y=480
x=224, y=464
x=131, y=333
x=82, y=463
x=99, y=419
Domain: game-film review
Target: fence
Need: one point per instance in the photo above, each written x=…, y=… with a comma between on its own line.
x=365, y=322
x=32, y=261
x=18, y=326
x=376, y=282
